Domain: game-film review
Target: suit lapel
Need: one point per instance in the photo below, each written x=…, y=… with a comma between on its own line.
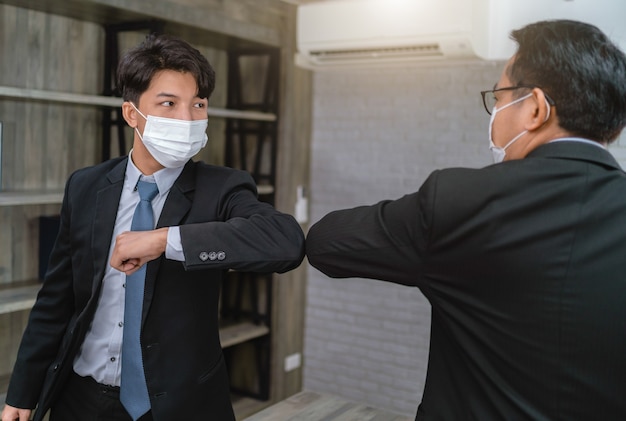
x=179, y=199
x=175, y=209
x=107, y=202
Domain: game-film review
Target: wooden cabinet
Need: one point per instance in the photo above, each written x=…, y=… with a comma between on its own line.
x=51, y=109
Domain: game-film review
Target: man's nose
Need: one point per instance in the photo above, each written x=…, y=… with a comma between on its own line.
x=184, y=114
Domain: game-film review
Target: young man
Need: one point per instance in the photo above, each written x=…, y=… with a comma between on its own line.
x=524, y=261
x=82, y=338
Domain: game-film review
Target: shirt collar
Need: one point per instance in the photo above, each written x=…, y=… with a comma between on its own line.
x=578, y=139
x=164, y=178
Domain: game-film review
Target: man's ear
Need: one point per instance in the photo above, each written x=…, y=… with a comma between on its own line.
x=542, y=111
x=129, y=113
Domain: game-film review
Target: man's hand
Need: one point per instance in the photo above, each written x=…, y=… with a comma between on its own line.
x=134, y=249
x=10, y=413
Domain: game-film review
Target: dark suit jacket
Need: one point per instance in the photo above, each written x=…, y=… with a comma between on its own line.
x=217, y=210
x=524, y=264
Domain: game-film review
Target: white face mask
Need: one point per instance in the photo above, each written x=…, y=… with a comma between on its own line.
x=498, y=152
x=173, y=142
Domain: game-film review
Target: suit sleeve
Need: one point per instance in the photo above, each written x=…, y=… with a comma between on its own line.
x=249, y=235
x=386, y=241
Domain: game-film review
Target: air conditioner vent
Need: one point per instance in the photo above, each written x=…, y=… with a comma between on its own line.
x=378, y=53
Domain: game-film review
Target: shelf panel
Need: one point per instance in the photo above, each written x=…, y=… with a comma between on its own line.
x=53, y=96
x=244, y=115
x=39, y=197
x=18, y=298
x=265, y=189
x=4, y=385
x=107, y=101
x=241, y=332
x=22, y=297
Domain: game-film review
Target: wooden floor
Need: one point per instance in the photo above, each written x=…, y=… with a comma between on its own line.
x=312, y=406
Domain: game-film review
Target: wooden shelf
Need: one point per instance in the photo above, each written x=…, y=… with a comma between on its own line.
x=107, y=101
x=265, y=189
x=4, y=385
x=18, y=297
x=55, y=197
x=234, y=334
x=205, y=21
x=38, y=197
x=21, y=296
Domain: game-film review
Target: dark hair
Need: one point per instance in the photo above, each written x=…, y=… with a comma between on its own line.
x=580, y=69
x=162, y=52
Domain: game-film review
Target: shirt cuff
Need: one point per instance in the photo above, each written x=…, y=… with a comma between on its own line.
x=174, y=247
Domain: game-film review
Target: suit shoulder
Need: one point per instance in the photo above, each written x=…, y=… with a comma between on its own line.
x=90, y=178
x=458, y=177
x=453, y=177
x=220, y=173
x=98, y=169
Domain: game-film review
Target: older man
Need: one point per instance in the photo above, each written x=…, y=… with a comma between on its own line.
x=524, y=261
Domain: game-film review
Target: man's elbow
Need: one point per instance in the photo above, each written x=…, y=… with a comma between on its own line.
x=294, y=253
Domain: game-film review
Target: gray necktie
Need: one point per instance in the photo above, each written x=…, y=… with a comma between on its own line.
x=133, y=390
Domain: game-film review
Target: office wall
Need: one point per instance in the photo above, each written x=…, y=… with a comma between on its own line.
x=377, y=134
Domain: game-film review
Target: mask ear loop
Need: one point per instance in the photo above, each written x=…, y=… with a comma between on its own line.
x=137, y=109
x=141, y=114
x=549, y=109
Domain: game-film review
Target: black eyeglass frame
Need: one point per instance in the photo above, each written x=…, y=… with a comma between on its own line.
x=512, y=88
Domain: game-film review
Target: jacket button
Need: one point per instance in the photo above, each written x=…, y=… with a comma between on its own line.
x=221, y=255
x=204, y=256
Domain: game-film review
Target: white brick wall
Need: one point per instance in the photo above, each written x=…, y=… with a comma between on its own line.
x=377, y=134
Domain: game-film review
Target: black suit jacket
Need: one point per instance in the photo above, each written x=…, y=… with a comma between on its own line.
x=524, y=264
x=218, y=211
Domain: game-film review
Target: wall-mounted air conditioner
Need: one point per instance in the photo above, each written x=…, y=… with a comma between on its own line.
x=364, y=32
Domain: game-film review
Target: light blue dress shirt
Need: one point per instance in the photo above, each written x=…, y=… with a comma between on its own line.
x=100, y=353
x=580, y=140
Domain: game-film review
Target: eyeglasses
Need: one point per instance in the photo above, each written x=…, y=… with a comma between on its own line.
x=489, y=97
